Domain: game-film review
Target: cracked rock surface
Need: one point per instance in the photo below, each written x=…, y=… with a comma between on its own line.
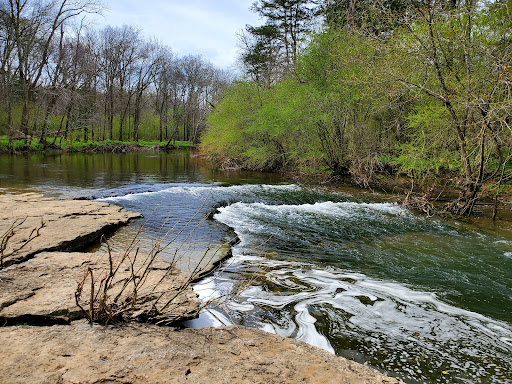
x=64, y=225
x=42, y=290
x=81, y=353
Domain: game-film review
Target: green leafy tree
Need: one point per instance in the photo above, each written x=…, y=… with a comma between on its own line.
x=274, y=46
x=422, y=93
x=454, y=59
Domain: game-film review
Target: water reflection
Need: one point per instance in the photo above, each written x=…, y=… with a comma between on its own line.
x=82, y=175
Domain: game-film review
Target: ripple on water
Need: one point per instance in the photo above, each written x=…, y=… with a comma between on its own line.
x=350, y=277
x=381, y=323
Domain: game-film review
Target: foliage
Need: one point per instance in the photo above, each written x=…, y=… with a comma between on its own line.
x=270, y=51
x=420, y=92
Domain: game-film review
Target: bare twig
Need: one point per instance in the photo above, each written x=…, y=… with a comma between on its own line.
x=11, y=232
x=133, y=286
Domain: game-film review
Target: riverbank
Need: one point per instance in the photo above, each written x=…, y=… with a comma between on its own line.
x=39, y=286
x=104, y=146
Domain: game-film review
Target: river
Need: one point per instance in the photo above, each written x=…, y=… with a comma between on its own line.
x=423, y=299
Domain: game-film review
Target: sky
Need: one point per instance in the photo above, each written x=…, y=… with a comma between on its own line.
x=200, y=27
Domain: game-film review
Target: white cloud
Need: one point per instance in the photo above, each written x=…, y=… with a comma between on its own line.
x=202, y=27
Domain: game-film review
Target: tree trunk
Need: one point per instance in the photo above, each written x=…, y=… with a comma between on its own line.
x=25, y=113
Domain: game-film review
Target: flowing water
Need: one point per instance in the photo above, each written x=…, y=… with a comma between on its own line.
x=424, y=299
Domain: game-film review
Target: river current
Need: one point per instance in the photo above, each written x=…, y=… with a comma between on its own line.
x=423, y=299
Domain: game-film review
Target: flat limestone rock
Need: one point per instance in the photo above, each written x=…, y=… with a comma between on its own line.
x=81, y=353
x=42, y=289
x=55, y=225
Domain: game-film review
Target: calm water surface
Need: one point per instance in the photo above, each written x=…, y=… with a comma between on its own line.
x=426, y=300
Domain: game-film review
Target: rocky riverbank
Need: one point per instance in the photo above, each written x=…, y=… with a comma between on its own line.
x=46, y=339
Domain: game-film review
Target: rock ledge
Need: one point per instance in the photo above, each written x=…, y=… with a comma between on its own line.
x=81, y=353
x=63, y=225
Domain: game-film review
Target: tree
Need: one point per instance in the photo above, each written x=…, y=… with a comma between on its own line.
x=276, y=44
x=372, y=16
x=163, y=86
x=261, y=54
x=118, y=54
x=453, y=58
x=31, y=27
x=149, y=57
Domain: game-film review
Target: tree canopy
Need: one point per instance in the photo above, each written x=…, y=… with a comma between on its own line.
x=60, y=80
x=413, y=88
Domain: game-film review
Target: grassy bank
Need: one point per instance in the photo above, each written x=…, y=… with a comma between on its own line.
x=35, y=146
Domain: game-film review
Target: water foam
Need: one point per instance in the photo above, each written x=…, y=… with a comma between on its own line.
x=202, y=191
x=328, y=208
x=209, y=291
x=418, y=332
x=307, y=223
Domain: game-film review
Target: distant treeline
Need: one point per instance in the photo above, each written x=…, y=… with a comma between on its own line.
x=60, y=80
x=368, y=88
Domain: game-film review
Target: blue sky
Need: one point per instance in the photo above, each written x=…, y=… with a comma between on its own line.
x=204, y=27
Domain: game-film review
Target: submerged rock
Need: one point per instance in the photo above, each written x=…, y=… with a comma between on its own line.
x=81, y=353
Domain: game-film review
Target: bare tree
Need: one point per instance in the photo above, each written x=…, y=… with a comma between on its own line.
x=117, y=56
x=77, y=83
x=149, y=58
x=163, y=87
x=33, y=26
